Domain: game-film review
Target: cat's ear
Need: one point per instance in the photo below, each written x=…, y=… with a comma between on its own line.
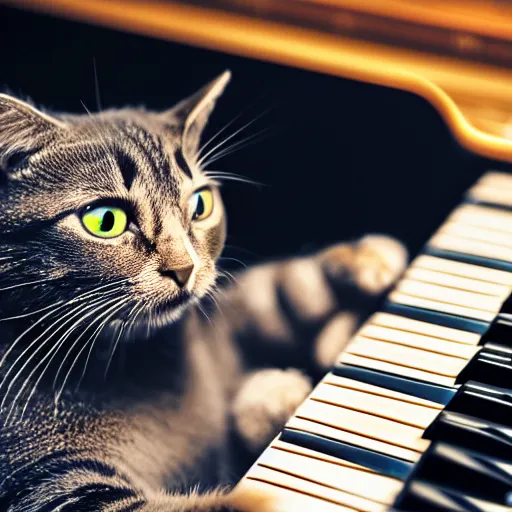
x=193, y=112
x=23, y=129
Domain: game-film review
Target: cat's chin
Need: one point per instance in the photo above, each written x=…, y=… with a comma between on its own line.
x=157, y=317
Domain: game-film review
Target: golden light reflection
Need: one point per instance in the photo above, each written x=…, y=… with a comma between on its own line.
x=457, y=55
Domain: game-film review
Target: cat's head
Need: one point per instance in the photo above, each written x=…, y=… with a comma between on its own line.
x=106, y=217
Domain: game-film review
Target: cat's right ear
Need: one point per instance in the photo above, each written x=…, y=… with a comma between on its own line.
x=23, y=130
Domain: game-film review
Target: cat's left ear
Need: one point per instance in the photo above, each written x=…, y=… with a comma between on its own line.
x=23, y=128
x=193, y=112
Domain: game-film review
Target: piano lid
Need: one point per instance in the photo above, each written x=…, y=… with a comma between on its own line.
x=456, y=54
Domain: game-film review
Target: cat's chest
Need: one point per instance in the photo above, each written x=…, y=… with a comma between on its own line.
x=166, y=443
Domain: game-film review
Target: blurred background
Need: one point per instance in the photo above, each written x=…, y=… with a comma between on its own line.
x=335, y=157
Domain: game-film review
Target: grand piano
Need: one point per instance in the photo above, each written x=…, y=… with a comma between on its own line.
x=417, y=413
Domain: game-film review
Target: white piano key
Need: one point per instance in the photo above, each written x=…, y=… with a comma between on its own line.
x=495, y=179
x=476, y=233
x=483, y=216
x=418, y=302
x=366, y=425
x=420, y=341
x=322, y=429
x=384, y=420
x=353, y=480
x=491, y=194
x=447, y=366
x=312, y=454
x=449, y=295
x=314, y=489
x=459, y=283
x=457, y=268
x=287, y=499
x=396, y=369
x=343, y=382
x=425, y=328
x=384, y=407
x=472, y=247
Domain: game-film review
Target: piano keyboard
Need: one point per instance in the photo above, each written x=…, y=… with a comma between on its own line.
x=417, y=414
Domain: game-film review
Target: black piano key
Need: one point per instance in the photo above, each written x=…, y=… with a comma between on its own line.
x=471, y=433
x=507, y=306
x=434, y=393
x=469, y=258
x=467, y=471
x=487, y=402
x=492, y=365
x=435, y=317
x=421, y=496
x=499, y=332
x=384, y=464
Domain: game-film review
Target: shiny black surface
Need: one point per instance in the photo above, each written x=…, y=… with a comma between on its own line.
x=500, y=331
x=432, y=392
x=421, y=496
x=469, y=258
x=466, y=471
x=435, y=317
x=471, y=433
x=492, y=365
x=490, y=403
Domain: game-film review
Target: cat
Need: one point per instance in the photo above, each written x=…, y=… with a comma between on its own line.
x=117, y=392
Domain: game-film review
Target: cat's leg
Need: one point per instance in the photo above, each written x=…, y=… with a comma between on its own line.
x=302, y=311
x=265, y=401
x=90, y=484
x=298, y=312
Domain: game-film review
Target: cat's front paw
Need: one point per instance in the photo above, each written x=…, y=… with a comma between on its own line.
x=265, y=401
x=374, y=262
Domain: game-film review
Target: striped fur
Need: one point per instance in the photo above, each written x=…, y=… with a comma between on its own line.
x=120, y=391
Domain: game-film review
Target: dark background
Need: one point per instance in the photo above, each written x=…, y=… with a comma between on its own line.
x=341, y=158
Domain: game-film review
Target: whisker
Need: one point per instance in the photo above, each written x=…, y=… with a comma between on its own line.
x=233, y=259
x=237, y=179
x=204, y=313
x=121, y=331
x=13, y=287
x=117, y=307
x=97, y=305
x=227, y=139
x=112, y=352
x=237, y=146
x=72, y=328
x=78, y=298
x=74, y=314
x=55, y=349
x=131, y=323
x=32, y=313
x=222, y=130
x=211, y=295
x=229, y=276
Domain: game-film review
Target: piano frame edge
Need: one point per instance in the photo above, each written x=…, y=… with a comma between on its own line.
x=266, y=40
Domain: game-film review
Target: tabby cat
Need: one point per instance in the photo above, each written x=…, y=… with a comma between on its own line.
x=116, y=392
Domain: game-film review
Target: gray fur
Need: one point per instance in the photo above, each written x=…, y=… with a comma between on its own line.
x=116, y=392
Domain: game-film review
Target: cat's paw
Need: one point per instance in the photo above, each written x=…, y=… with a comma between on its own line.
x=333, y=338
x=375, y=262
x=265, y=401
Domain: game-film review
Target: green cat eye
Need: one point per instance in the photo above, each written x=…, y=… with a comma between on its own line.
x=105, y=221
x=201, y=204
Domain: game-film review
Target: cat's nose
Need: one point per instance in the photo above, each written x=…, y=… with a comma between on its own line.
x=180, y=276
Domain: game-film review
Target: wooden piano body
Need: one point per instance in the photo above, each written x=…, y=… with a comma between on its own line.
x=458, y=57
